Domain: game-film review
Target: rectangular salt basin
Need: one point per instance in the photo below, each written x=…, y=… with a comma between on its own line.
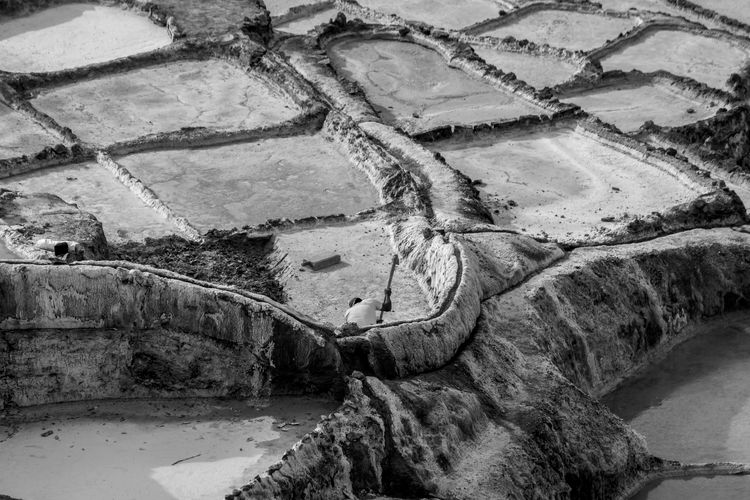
x=559, y=182
x=412, y=86
x=75, y=34
x=570, y=30
x=247, y=184
x=716, y=487
x=366, y=253
x=165, y=98
x=537, y=71
x=149, y=449
x=441, y=13
x=629, y=107
x=95, y=190
x=705, y=59
x=20, y=136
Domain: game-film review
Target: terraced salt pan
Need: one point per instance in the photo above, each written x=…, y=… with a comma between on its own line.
x=20, y=136
x=75, y=35
x=366, y=254
x=128, y=105
x=95, y=190
x=705, y=59
x=571, y=30
x=247, y=184
x=628, y=107
x=658, y=6
x=562, y=181
x=199, y=17
x=442, y=13
x=694, y=405
x=129, y=449
x=537, y=71
x=719, y=487
x=412, y=86
x=302, y=26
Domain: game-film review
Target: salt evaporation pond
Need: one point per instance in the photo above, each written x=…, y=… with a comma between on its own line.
x=74, y=35
x=149, y=450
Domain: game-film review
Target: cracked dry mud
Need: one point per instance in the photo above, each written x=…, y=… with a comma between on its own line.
x=573, y=279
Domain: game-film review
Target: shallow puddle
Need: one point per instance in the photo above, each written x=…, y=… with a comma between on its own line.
x=694, y=405
x=570, y=30
x=75, y=35
x=20, y=136
x=247, y=184
x=302, y=26
x=707, y=60
x=441, y=13
x=629, y=107
x=413, y=87
x=366, y=254
x=558, y=181
x=164, y=98
x=717, y=487
x=537, y=71
x=95, y=190
x=150, y=450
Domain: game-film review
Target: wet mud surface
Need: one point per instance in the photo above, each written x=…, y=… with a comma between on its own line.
x=231, y=259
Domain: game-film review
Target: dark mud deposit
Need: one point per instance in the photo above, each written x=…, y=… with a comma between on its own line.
x=224, y=257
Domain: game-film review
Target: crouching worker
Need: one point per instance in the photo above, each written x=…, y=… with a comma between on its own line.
x=364, y=312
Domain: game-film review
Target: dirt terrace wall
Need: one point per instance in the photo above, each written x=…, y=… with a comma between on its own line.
x=107, y=330
x=702, y=12
x=394, y=184
x=605, y=311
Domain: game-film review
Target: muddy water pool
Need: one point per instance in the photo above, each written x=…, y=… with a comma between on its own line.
x=150, y=449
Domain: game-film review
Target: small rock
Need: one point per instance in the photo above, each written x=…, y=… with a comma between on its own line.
x=47, y=433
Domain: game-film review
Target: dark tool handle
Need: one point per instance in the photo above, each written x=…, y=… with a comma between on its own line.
x=394, y=263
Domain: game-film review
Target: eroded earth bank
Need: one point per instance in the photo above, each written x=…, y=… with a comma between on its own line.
x=566, y=202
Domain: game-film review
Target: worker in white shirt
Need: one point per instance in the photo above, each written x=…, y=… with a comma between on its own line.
x=364, y=312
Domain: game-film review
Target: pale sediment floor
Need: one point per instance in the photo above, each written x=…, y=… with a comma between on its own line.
x=412, y=86
x=20, y=136
x=5, y=253
x=707, y=60
x=247, y=184
x=559, y=182
x=628, y=107
x=442, y=13
x=694, y=405
x=695, y=488
x=279, y=7
x=95, y=190
x=736, y=9
x=366, y=255
x=75, y=35
x=122, y=450
x=200, y=17
x=305, y=24
x=571, y=30
x=123, y=106
x=537, y=71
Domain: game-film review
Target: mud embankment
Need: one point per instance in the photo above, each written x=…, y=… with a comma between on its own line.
x=516, y=398
x=102, y=331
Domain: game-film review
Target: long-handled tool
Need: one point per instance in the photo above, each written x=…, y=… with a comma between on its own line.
x=387, y=298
